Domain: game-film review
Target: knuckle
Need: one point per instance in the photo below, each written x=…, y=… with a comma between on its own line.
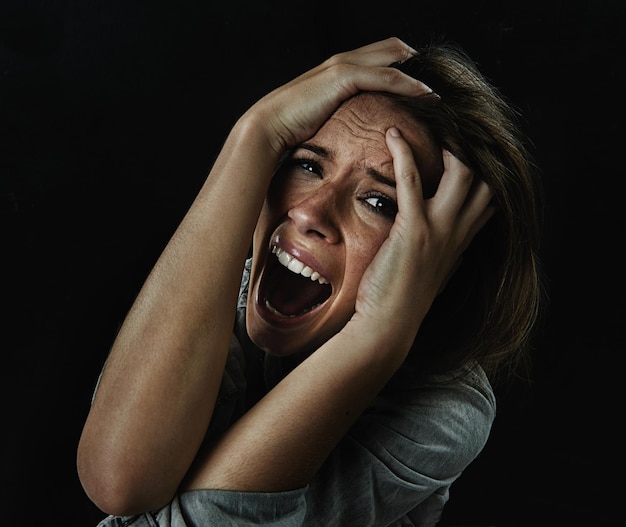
x=409, y=176
x=394, y=41
x=459, y=170
x=392, y=76
x=399, y=48
x=335, y=60
x=465, y=174
x=339, y=73
x=336, y=68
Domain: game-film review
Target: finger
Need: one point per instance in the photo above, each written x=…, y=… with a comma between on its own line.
x=480, y=222
x=380, y=53
x=454, y=186
x=408, y=181
x=477, y=212
x=383, y=79
x=478, y=208
x=380, y=56
x=478, y=200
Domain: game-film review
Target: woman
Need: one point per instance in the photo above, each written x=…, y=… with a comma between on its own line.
x=393, y=233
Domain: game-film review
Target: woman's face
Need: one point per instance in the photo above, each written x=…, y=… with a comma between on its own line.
x=328, y=210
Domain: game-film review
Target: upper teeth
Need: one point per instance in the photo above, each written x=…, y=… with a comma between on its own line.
x=296, y=266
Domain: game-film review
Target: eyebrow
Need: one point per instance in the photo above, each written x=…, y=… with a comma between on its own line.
x=372, y=172
x=381, y=178
x=319, y=150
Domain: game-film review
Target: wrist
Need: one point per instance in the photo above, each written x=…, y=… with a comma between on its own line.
x=246, y=162
x=259, y=122
x=384, y=344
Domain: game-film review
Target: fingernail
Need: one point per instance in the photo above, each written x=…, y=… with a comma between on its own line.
x=428, y=88
x=394, y=132
x=430, y=91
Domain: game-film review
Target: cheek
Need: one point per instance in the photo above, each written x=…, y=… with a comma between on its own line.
x=283, y=192
x=276, y=205
x=362, y=251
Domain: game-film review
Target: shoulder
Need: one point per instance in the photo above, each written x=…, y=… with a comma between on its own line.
x=409, y=446
x=446, y=419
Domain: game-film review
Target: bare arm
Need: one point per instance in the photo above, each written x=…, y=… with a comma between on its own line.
x=158, y=389
x=159, y=386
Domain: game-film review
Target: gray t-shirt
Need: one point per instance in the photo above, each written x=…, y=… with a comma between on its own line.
x=394, y=467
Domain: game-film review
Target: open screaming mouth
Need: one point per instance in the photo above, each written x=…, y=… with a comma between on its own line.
x=291, y=288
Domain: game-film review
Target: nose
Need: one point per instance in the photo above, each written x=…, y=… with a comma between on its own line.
x=318, y=214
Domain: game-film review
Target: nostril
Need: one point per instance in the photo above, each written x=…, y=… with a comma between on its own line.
x=316, y=214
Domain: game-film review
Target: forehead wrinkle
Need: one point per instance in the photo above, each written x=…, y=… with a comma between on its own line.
x=368, y=137
x=364, y=139
x=366, y=117
x=357, y=126
x=330, y=152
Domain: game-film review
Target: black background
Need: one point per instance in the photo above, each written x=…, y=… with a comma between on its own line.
x=111, y=113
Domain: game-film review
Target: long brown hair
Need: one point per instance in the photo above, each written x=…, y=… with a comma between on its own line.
x=489, y=310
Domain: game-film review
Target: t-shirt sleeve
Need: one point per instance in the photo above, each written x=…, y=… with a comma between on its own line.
x=400, y=458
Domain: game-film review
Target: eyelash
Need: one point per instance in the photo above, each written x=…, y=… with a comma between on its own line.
x=301, y=163
x=387, y=203
x=389, y=208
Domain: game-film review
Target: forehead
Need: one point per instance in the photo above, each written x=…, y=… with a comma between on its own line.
x=357, y=130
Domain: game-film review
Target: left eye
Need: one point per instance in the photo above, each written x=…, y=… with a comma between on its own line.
x=381, y=205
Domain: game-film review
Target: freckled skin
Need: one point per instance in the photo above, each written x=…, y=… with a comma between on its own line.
x=323, y=216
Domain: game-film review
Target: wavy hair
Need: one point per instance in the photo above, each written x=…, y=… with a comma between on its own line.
x=489, y=310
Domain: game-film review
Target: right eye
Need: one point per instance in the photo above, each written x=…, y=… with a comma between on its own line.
x=304, y=165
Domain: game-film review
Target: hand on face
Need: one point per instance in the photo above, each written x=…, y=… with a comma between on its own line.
x=295, y=111
x=425, y=243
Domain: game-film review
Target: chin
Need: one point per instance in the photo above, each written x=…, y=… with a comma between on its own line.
x=293, y=340
x=276, y=344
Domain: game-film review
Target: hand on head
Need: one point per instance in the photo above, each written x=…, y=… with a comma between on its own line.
x=294, y=112
x=426, y=241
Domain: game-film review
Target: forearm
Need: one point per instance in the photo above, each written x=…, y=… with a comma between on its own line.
x=159, y=386
x=158, y=389
x=281, y=443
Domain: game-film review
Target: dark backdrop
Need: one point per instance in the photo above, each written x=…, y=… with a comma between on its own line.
x=111, y=113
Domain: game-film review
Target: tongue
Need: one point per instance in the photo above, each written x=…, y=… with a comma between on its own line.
x=293, y=294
